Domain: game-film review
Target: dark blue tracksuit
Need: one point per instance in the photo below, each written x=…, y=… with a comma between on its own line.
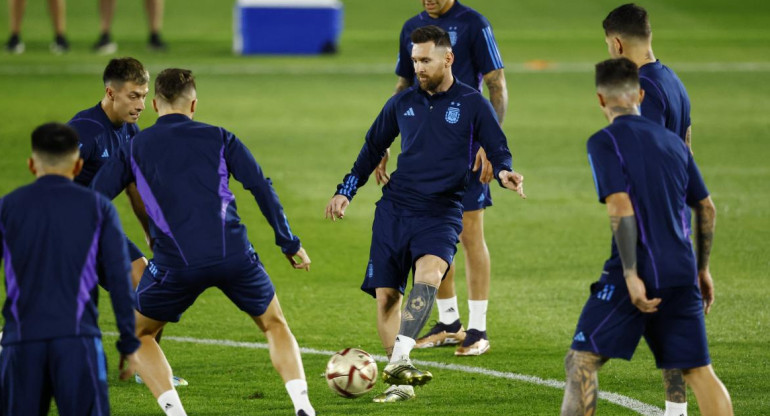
x=421, y=211
x=476, y=54
x=55, y=235
x=99, y=140
x=182, y=168
x=648, y=162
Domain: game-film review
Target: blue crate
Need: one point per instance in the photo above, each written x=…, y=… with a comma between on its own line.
x=286, y=26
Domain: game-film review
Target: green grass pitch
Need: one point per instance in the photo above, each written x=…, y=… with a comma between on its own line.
x=304, y=119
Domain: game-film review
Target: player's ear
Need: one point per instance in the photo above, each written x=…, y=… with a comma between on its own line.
x=154, y=105
x=602, y=101
x=449, y=59
x=193, y=105
x=641, y=96
x=77, y=167
x=618, y=45
x=31, y=166
x=109, y=92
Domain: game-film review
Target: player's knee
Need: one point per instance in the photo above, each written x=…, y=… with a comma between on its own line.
x=387, y=300
x=697, y=374
x=583, y=360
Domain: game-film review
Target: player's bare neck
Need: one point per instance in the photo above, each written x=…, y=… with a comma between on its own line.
x=114, y=119
x=643, y=56
x=618, y=110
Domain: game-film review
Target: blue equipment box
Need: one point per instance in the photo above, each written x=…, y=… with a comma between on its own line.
x=286, y=26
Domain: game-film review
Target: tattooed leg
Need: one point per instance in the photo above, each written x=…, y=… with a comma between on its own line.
x=582, y=387
x=676, y=389
x=418, y=308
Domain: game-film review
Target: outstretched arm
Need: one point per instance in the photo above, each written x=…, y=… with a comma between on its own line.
x=113, y=256
x=378, y=139
x=623, y=224
x=244, y=168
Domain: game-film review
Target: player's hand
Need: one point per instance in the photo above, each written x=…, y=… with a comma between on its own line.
x=638, y=294
x=381, y=171
x=513, y=181
x=336, y=207
x=127, y=366
x=487, y=173
x=706, y=289
x=304, y=262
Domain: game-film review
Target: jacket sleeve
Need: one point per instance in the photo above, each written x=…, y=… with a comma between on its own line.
x=404, y=65
x=91, y=149
x=654, y=105
x=489, y=133
x=245, y=169
x=115, y=175
x=380, y=136
x=117, y=275
x=484, y=50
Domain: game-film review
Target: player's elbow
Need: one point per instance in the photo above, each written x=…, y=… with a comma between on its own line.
x=495, y=80
x=706, y=208
x=619, y=205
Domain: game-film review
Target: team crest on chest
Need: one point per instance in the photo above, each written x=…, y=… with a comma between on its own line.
x=452, y=34
x=452, y=115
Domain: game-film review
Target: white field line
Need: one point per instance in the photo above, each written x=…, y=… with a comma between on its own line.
x=248, y=68
x=620, y=400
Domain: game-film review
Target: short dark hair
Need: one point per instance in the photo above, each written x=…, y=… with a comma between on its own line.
x=617, y=74
x=628, y=20
x=126, y=69
x=54, y=141
x=433, y=34
x=171, y=83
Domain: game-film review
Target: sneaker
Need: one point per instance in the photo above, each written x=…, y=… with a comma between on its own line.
x=14, y=45
x=442, y=334
x=176, y=381
x=302, y=413
x=105, y=45
x=156, y=44
x=395, y=394
x=475, y=343
x=60, y=45
x=403, y=372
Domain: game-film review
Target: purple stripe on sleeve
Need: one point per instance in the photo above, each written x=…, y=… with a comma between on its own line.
x=151, y=204
x=11, y=283
x=224, y=193
x=643, y=235
x=88, y=276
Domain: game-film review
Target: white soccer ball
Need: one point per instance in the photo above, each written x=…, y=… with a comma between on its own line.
x=351, y=372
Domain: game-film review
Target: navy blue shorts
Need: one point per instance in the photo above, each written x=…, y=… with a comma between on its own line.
x=398, y=241
x=612, y=326
x=477, y=195
x=164, y=294
x=70, y=370
x=133, y=251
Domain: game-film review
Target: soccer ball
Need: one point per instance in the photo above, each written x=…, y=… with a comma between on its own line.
x=351, y=372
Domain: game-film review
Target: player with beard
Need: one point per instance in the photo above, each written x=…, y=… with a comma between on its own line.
x=419, y=217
